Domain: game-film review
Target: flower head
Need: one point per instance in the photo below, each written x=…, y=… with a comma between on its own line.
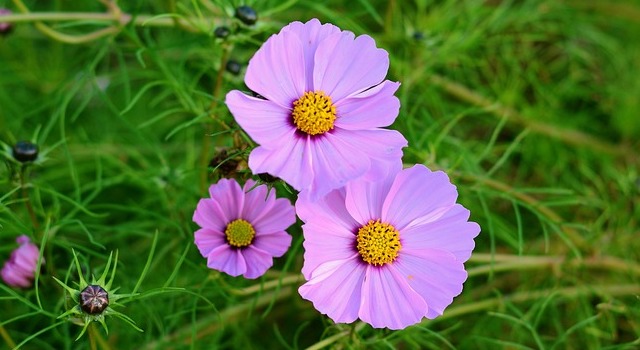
x=20, y=269
x=93, y=301
x=242, y=229
x=388, y=252
x=326, y=102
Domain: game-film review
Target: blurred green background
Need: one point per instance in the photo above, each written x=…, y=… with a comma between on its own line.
x=530, y=106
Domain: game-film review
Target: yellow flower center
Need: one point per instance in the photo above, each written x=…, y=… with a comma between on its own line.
x=239, y=233
x=314, y=113
x=378, y=243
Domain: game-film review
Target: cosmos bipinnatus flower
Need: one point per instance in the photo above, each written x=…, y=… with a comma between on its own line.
x=242, y=228
x=325, y=104
x=20, y=269
x=91, y=302
x=388, y=252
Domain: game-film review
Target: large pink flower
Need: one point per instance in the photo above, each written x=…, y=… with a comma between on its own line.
x=242, y=229
x=20, y=269
x=388, y=252
x=326, y=102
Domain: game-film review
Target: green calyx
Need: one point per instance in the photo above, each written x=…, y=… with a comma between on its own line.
x=77, y=315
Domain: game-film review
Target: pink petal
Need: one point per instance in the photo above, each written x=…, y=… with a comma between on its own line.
x=258, y=262
x=451, y=233
x=344, y=66
x=335, y=162
x=383, y=147
x=436, y=275
x=324, y=242
x=290, y=162
x=229, y=196
x=330, y=208
x=275, y=243
x=418, y=194
x=264, y=121
x=258, y=201
x=277, y=70
x=14, y=277
x=207, y=240
x=228, y=260
x=279, y=217
x=310, y=35
x=335, y=290
x=209, y=214
x=388, y=300
x=373, y=108
x=364, y=199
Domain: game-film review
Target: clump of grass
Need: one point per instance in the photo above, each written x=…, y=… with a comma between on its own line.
x=529, y=105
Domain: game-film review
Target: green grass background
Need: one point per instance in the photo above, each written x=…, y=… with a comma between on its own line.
x=530, y=106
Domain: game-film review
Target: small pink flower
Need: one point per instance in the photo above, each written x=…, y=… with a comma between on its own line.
x=389, y=252
x=242, y=229
x=20, y=269
x=5, y=27
x=324, y=103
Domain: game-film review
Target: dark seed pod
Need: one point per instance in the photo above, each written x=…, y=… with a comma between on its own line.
x=267, y=178
x=246, y=15
x=25, y=151
x=233, y=67
x=222, y=32
x=5, y=27
x=418, y=36
x=225, y=165
x=94, y=299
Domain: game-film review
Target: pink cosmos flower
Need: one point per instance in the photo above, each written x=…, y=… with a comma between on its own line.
x=242, y=229
x=326, y=102
x=388, y=252
x=19, y=271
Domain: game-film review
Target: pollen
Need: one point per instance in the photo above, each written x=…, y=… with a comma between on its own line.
x=314, y=113
x=378, y=243
x=239, y=233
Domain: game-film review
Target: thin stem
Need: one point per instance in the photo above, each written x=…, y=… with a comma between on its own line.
x=7, y=338
x=25, y=194
x=293, y=279
x=206, y=141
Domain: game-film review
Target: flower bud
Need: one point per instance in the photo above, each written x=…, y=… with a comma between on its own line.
x=5, y=27
x=246, y=15
x=25, y=151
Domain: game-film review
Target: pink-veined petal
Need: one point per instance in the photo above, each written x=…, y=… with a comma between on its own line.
x=209, y=214
x=329, y=208
x=324, y=242
x=290, y=162
x=311, y=34
x=276, y=71
x=264, y=121
x=228, y=260
x=274, y=243
x=335, y=289
x=418, y=194
x=258, y=262
x=436, y=275
x=345, y=66
x=451, y=232
x=207, y=240
x=364, y=199
x=335, y=162
x=229, y=196
x=258, y=201
x=389, y=301
x=280, y=216
x=373, y=108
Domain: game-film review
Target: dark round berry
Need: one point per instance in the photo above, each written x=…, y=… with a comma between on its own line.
x=246, y=15
x=418, y=36
x=5, y=27
x=267, y=178
x=222, y=32
x=233, y=67
x=25, y=151
x=94, y=299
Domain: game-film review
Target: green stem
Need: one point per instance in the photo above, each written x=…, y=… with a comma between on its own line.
x=7, y=338
x=25, y=194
